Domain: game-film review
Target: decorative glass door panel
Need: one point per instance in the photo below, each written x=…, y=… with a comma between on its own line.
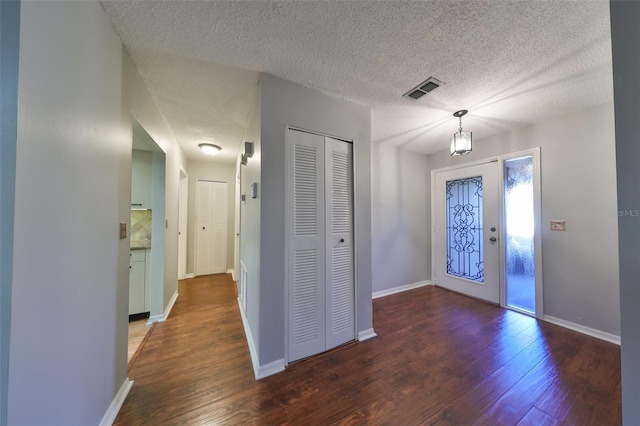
x=464, y=228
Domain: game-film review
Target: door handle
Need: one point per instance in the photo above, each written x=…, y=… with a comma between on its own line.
x=493, y=239
x=342, y=240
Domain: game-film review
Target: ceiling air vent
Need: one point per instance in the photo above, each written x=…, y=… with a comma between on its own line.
x=423, y=88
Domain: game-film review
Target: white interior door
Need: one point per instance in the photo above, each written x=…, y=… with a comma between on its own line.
x=219, y=220
x=320, y=238
x=306, y=260
x=339, y=242
x=211, y=227
x=467, y=253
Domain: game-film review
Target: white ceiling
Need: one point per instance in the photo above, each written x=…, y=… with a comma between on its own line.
x=510, y=63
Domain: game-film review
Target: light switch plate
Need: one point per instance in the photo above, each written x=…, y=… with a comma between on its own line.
x=558, y=225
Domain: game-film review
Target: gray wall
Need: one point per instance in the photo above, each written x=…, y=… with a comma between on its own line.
x=211, y=171
x=625, y=38
x=77, y=92
x=400, y=217
x=137, y=102
x=285, y=103
x=159, y=295
x=9, y=46
x=250, y=222
x=578, y=185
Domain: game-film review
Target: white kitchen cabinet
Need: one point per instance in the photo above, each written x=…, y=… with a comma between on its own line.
x=141, y=170
x=137, y=282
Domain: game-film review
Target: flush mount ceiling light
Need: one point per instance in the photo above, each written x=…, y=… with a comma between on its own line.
x=461, y=140
x=209, y=148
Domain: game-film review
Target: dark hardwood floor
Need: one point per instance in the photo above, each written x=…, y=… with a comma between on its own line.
x=439, y=358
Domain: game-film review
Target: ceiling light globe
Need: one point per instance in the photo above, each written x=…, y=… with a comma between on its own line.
x=209, y=148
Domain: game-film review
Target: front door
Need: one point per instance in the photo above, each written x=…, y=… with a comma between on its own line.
x=467, y=254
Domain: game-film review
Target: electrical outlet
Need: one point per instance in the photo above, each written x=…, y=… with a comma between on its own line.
x=558, y=225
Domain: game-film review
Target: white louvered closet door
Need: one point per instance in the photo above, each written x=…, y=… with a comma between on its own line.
x=306, y=241
x=340, y=324
x=320, y=258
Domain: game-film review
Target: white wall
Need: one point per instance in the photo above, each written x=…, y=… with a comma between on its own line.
x=578, y=173
x=158, y=293
x=77, y=91
x=400, y=217
x=250, y=222
x=141, y=162
x=285, y=103
x=137, y=102
x=211, y=171
x=9, y=37
x=625, y=37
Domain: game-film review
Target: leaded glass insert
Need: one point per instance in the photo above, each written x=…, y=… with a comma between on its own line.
x=464, y=228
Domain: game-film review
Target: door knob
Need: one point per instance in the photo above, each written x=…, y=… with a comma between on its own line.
x=493, y=239
x=493, y=229
x=203, y=227
x=342, y=240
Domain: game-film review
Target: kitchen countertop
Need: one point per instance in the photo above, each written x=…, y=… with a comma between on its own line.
x=140, y=245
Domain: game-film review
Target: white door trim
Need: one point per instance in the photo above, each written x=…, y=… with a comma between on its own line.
x=183, y=203
x=537, y=205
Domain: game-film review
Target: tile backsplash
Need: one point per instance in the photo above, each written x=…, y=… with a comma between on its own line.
x=140, y=228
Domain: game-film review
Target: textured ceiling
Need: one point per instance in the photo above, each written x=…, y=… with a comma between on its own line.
x=510, y=63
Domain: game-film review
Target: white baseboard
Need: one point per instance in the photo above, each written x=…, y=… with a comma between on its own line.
x=602, y=335
x=400, y=289
x=270, y=369
x=259, y=371
x=163, y=317
x=155, y=318
x=188, y=276
x=366, y=334
x=229, y=271
x=110, y=416
x=167, y=310
x=252, y=348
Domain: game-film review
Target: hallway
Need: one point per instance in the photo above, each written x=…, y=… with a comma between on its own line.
x=439, y=357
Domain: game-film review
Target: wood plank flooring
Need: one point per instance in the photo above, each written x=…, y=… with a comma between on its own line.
x=439, y=358
x=137, y=332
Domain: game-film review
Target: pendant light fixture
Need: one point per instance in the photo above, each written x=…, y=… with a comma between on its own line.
x=209, y=148
x=461, y=140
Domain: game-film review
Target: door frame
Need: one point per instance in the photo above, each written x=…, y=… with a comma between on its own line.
x=183, y=203
x=287, y=232
x=537, y=217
